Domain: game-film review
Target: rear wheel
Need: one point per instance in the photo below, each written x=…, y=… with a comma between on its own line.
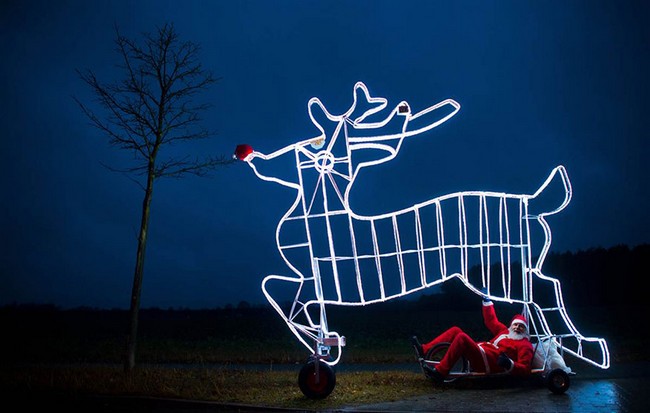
x=558, y=381
x=316, y=379
x=437, y=352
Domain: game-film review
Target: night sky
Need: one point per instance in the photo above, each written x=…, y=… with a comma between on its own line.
x=540, y=84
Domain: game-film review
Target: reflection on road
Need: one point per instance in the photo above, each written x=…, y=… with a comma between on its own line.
x=584, y=395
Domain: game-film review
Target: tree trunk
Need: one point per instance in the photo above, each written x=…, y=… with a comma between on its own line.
x=131, y=339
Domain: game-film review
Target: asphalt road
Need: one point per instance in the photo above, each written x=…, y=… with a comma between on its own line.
x=613, y=395
x=619, y=389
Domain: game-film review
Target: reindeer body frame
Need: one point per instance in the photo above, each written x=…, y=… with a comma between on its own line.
x=354, y=260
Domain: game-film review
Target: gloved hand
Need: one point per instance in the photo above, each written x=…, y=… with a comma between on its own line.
x=504, y=361
x=484, y=296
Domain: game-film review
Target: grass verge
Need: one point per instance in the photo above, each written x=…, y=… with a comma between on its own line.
x=259, y=388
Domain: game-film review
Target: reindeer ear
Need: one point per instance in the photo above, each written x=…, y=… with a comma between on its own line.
x=324, y=122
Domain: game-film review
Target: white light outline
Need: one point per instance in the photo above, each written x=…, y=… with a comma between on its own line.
x=316, y=336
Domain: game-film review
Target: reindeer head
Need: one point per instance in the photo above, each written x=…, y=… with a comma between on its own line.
x=365, y=134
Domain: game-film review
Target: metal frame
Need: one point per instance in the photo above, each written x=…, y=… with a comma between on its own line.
x=339, y=257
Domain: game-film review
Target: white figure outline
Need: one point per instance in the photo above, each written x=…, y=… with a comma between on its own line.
x=330, y=156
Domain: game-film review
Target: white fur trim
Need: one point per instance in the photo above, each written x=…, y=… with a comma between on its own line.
x=487, y=365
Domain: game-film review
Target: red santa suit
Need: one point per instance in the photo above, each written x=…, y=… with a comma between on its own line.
x=483, y=356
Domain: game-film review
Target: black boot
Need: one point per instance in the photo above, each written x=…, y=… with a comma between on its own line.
x=432, y=373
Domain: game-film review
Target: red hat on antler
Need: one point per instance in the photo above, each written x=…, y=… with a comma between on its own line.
x=242, y=151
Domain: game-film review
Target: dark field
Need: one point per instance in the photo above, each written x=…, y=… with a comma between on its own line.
x=599, y=306
x=202, y=354
x=247, y=354
x=375, y=334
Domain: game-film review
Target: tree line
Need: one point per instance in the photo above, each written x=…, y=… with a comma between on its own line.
x=596, y=276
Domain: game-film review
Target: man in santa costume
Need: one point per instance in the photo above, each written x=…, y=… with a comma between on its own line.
x=510, y=350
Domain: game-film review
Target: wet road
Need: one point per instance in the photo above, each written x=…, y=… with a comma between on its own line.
x=622, y=388
x=616, y=395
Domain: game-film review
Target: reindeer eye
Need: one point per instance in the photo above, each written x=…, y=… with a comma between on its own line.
x=318, y=143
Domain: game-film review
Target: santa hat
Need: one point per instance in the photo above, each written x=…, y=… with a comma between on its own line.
x=519, y=319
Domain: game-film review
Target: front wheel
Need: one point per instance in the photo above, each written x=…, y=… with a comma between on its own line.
x=558, y=381
x=316, y=379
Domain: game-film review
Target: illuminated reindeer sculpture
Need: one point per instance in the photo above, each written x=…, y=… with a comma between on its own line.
x=339, y=257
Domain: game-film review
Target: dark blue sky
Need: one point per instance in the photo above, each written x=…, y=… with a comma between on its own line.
x=540, y=84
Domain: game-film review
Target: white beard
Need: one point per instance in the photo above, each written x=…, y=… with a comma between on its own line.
x=516, y=336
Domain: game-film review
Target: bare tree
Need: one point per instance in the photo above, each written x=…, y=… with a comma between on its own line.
x=152, y=107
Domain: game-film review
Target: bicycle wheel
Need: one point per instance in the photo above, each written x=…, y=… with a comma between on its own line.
x=437, y=352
